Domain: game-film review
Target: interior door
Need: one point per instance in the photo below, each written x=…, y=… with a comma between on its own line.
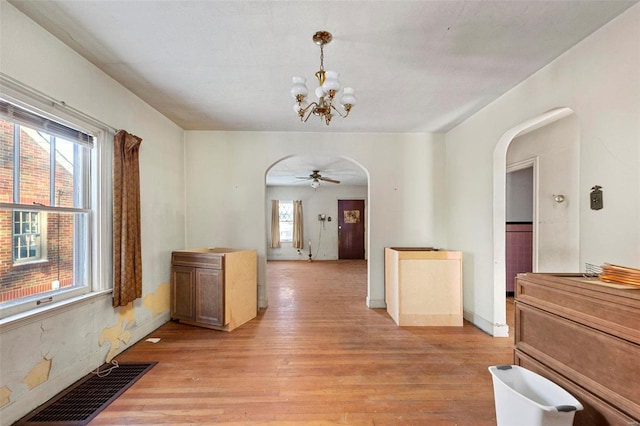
x=351, y=229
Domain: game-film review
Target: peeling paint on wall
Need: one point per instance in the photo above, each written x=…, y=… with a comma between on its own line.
x=38, y=374
x=158, y=302
x=5, y=394
x=118, y=333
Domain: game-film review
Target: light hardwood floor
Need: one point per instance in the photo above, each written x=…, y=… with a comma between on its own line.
x=316, y=356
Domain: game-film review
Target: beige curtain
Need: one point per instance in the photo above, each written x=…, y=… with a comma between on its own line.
x=275, y=224
x=127, y=261
x=297, y=225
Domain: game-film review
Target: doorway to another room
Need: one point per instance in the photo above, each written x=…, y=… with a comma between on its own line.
x=519, y=222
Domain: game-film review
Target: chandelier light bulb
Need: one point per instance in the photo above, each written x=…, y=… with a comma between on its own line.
x=348, y=97
x=331, y=83
x=299, y=87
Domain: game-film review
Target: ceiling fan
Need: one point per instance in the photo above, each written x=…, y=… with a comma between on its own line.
x=317, y=177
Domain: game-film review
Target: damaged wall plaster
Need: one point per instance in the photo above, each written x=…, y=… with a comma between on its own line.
x=5, y=395
x=38, y=374
x=119, y=332
x=158, y=302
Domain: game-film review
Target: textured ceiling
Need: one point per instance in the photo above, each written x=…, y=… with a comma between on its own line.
x=417, y=66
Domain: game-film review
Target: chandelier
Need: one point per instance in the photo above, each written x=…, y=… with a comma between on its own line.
x=328, y=87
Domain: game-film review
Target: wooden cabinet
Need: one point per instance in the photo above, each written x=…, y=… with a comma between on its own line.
x=423, y=287
x=214, y=288
x=583, y=334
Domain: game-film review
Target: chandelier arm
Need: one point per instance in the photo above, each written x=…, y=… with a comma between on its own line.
x=308, y=108
x=338, y=111
x=308, y=115
x=312, y=104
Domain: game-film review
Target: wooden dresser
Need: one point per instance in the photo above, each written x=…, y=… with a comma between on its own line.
x=584, y=335
x=214, y=287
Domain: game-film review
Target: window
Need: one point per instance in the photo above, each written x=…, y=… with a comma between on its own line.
x=286, y=220
x=26, y=236
x=50, y=226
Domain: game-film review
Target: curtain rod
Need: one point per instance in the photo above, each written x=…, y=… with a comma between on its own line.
x=22, y=88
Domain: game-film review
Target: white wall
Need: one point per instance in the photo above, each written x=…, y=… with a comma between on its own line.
x=77, y=339
x=226, y=200
x=323, y=235
x=598, y=80
x=557, y=148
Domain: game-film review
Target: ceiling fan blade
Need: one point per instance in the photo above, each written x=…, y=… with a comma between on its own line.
x=329, y=180
x=304, y=177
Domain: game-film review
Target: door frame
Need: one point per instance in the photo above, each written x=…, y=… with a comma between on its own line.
x=520, y=165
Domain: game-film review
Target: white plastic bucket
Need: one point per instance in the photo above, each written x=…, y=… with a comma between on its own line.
x=524, y=398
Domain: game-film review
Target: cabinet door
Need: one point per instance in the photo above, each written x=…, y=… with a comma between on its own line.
x=182, y=292
x=210, y=296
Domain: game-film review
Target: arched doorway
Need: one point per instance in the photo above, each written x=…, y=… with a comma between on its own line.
x=500, y=328
x=291, y=178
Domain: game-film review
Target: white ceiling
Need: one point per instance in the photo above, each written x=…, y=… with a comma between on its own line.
x=417, y=66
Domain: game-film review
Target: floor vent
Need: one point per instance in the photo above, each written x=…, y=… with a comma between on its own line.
x=81, y=402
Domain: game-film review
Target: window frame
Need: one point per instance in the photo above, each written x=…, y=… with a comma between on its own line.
x=98, y=205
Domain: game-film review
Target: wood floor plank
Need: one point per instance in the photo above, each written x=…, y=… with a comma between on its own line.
x=317, y=355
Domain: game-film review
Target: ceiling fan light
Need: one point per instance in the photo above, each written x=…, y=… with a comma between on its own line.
x=315, y=183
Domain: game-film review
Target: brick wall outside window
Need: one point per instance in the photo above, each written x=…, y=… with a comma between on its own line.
x=26, y=279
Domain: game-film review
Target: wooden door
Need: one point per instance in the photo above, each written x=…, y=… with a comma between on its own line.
x=351, y=229
x=182, y=292
x=210, y=296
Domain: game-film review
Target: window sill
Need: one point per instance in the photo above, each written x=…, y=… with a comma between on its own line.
x=18, y=320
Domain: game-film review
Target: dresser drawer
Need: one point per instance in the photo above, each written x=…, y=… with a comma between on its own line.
x=596, y=412
x=606, y=365
x=590, y=304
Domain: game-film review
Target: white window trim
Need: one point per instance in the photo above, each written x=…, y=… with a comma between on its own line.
x=101, y=263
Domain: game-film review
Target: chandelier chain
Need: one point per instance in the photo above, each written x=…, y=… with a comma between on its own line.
x=322, y=57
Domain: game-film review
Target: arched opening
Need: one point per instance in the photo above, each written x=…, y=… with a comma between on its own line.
x=500, y=328
x=290, y=179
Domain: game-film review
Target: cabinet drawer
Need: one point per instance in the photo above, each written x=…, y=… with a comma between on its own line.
x=200, y=260
x=606, y=365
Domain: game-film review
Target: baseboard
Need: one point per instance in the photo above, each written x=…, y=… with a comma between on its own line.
x=495, y=330
x=376, y=303
x=147, y=328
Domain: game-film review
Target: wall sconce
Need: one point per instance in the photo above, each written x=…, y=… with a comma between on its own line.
x=595, y=197
x=558, y=198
